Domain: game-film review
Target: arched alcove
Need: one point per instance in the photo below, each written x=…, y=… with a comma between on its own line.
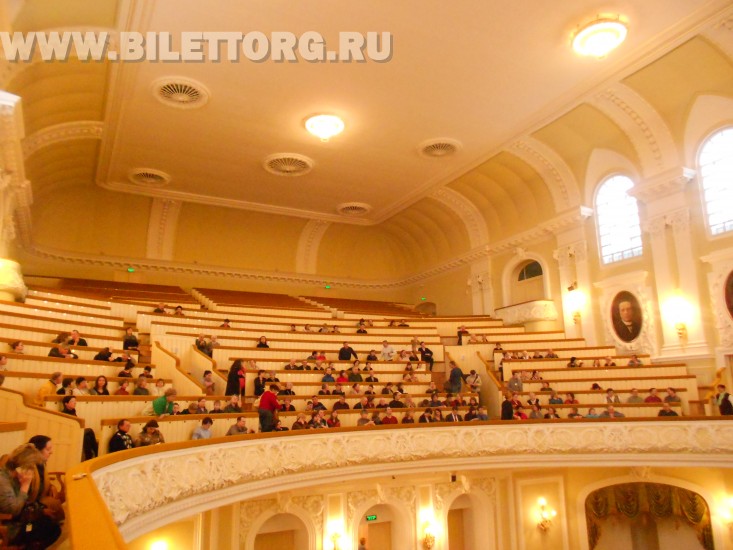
x=647, y=515
x=282, y=531
x=384, y=526
x=525, y=280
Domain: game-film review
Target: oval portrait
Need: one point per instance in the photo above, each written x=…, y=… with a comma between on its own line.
x=626, y=316
x=729, y=293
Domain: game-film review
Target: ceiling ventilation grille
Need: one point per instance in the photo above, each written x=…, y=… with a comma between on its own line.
x=179, y=92
x=353, y=209
x=288, y=164
x=437, y=148
x=149, y=177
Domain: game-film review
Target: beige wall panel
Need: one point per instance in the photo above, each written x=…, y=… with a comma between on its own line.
x=41, y=14
x=672, y=83
x=236, y=238
x=575, y=135
x=362, y=253
x=448, y=292
x=88, y=219
x=54, y=93
x=53, y=168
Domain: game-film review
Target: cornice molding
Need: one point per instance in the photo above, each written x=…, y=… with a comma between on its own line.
x=142, y=492
x=643, y=125
x=162, y=229
x=306, y=258
x=663, y=184
x=542, y=232
x=68, y=131
x=196, y=198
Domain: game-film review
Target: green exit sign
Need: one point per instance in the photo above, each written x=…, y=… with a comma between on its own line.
x=373, y=517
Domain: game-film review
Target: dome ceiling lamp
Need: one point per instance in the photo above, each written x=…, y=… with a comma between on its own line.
x=324, y=126
x=600, y=37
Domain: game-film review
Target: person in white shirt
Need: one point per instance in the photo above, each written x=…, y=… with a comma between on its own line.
x=387, y=351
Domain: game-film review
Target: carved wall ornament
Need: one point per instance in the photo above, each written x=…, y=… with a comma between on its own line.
x=59, y=133
x=139, y=488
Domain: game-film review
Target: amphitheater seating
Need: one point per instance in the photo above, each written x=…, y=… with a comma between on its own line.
x=95, y=308
x=222, y=299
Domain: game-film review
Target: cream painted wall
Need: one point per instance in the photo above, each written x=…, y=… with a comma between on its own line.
x=88, y=219
x=361, y=253
x=236, y=238
x=449, y=292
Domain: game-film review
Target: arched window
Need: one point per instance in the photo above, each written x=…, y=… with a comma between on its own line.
x=716, y=176
x=617, y=216
x=532, y=269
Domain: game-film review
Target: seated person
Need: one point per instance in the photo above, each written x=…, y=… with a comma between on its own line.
x=122, y=390
x=62, y=352
x=608, y=362
x=240, y=428
x=105, y=354
x=551, y=355
x=574, y=362
x=203, y=431
x=76, y=340
x=150, y=435
x=666, y=410
x=635, y=361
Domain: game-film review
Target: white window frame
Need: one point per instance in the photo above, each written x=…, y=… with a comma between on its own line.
x=627, y=254
x=726, y=232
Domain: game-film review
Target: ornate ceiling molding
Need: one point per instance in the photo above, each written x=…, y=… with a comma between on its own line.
x=144, y=490
x=721, y=34
x=642, y=124
x=554, y=170
x=173, y=195
x=478, y=234
x=68, y=131
x=306, y=258
x=162, y=229
x=663, y=185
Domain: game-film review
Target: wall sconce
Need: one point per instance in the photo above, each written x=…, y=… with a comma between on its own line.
x=545, y=515
x=576, y=317
x=681, y=329
x=335, y=540
x=726, y=512
x=428, y=540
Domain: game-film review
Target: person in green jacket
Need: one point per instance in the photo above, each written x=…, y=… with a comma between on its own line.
x=164, y=404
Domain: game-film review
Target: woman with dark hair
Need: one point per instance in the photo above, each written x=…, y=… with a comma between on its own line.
x=260, y=383
x=28, y=527
x=17, y=347
x=262, y=343
x=67, y=385
x=68, y=405
x=100, y=386
x=236, y=379
x=150, y=435
x=41, y=489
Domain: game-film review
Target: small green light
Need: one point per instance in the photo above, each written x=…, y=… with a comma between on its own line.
x=423, y=298
x=328, y=286
x=131, y=270
x=372, y=517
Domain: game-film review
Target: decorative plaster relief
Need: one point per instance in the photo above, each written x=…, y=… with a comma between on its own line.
x=68, y=131
x=135, y=488
x=555, y=172
x=642, y=124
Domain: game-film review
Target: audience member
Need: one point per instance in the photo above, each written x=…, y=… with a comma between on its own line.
x=150, y=435
x=121, y=440
x=203, y=431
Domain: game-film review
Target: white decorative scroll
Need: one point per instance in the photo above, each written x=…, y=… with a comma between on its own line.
x=11, y=279
x=152, y=489
x=537, y=310
x=471, y=216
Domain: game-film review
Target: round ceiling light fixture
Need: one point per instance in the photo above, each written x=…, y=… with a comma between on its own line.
x=601, y=36
x=324, y=126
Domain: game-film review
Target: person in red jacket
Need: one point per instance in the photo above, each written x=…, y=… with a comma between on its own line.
x=268, y=408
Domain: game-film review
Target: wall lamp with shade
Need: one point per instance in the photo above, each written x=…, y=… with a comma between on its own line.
x=428, y=540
